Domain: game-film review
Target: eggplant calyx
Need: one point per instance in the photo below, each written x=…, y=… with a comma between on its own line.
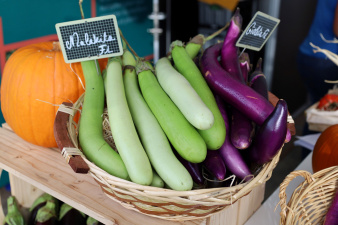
x=46, y=212
x=65, y=208
x=43, y=198
x=13, y=216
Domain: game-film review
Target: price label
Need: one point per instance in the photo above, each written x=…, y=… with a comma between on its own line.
x=258, y=31
x=89, y=39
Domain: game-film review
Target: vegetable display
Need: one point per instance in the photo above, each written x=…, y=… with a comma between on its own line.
x=170, y=121
x=184, y=121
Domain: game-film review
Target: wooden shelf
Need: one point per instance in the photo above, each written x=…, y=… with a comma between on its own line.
x=46, y=169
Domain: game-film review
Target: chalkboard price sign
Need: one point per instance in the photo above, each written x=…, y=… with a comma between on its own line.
x=258, y=31
x=89, y=39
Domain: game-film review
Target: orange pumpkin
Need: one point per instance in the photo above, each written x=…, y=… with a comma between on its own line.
x=35, y=81
x=325, y=151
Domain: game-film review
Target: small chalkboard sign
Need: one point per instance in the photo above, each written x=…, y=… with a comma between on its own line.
x=89, y=39
x=258, y=31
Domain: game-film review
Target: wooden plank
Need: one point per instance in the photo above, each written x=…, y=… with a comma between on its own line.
x=47, y=170
x=24, y=192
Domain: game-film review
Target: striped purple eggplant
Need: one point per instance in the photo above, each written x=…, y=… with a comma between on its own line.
x=233, y=160
x=270, y=137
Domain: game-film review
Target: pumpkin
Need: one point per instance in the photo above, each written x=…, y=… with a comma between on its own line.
x=35, y=81
x=325, y=151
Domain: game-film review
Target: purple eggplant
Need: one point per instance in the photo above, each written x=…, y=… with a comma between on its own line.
x=237, y=94
x=215, y=164
x=259, y=84
x=229, y=56
x=194, y=169
x=71, y=216
x=37, y=204
x=241, y=130
x=233, y=160
x=270, y=137
x=332, y=214
x=257, y=80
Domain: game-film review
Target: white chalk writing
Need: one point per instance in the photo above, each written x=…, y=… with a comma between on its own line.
x=87, y=40
x=257, y=31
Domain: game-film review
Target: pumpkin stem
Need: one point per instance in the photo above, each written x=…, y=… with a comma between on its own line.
x=56, y=46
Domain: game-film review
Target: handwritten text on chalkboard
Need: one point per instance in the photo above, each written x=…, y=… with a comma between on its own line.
x=258, y=31
x=89, y=39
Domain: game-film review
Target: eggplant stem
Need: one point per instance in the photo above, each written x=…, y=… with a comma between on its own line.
x=81, y=9
x=217, y=32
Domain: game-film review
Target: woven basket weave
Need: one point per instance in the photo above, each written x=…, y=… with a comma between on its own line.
x=159, y=202
x=312, y=198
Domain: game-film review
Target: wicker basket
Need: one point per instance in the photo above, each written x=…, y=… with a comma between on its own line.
x=157, y=202
x=312, y=198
